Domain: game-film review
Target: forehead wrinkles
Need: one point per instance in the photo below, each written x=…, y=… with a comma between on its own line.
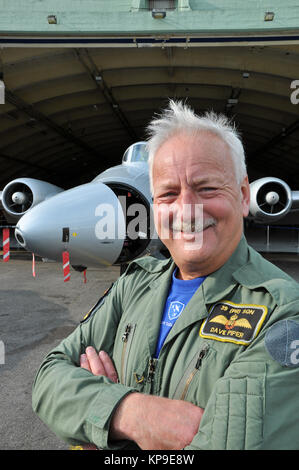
x=201, y=157
x=201, y=146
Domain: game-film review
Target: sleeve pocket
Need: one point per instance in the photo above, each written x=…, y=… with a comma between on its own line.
x=233, y=419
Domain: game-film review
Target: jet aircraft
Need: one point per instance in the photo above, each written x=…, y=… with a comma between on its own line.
x=97, y=223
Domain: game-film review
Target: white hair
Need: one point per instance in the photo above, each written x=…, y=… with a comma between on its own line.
x=179, y=118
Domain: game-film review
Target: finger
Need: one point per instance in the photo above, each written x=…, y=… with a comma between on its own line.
x=110, y=371
x=95, y=363
x=84, y=362
x=89, y=447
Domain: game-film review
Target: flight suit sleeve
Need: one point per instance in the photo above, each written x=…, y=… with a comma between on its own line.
x=76, y=405
x=254, y=406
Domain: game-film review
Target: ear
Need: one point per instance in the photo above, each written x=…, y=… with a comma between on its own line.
x=245, y=193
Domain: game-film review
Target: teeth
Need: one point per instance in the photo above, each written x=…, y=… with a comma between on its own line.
x=193, y=227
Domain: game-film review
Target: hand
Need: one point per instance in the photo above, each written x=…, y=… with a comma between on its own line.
x=98, y=363
x=156, y=423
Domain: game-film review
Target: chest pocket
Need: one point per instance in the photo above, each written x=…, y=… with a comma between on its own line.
x=199, y=377
x=190, y=374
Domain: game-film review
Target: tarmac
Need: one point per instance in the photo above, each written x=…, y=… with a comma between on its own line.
x=35, y=315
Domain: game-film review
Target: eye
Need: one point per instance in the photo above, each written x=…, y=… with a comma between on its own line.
x=208, y=189
x=167, y=194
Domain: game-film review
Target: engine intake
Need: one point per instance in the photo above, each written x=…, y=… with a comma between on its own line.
x=22, y=194
x=270, y=199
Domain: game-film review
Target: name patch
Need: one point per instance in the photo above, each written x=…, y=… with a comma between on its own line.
x=233, y=323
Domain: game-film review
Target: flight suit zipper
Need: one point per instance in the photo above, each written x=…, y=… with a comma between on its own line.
x=151, y=369
x=127, y=340
x=193, y=368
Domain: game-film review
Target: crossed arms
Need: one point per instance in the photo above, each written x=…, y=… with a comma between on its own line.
x=150, y=421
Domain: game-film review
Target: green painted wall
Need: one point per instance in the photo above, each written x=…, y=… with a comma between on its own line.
x=120, y=17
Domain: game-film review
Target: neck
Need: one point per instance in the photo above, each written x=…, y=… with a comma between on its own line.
x=189, y=270
x=188, y=275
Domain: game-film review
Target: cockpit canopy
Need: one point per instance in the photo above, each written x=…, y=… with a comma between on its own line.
x=136, y=153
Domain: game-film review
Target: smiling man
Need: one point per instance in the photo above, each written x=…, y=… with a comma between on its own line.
x=194, y=170
x=198, y=351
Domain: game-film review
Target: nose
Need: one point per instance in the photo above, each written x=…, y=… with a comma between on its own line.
x=188, y=203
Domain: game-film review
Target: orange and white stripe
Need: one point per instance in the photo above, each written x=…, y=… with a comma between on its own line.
x=66, y=266
x=6, y=252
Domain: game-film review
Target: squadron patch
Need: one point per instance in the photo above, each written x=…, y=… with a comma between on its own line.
x=96, y=306
x=233, y=323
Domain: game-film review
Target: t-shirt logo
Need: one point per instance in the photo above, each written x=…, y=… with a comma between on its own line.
x=175, y=309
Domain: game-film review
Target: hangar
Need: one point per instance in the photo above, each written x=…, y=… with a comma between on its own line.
x=83, y=79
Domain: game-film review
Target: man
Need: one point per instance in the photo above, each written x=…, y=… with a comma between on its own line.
x=192, y=352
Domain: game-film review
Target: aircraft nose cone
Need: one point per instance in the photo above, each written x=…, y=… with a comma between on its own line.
x=18, y=197
x=70, y=221
x=272, y=198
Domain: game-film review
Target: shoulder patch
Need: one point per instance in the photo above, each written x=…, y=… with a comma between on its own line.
x=282, y=342
x=233, y=323
x=97, y=305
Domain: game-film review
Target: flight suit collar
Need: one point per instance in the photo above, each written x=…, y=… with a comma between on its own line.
x=215, y=287
x=219, y=283
x=259, y=272
x=151, y=264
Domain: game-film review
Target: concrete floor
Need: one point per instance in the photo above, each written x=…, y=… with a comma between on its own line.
x=35, y=314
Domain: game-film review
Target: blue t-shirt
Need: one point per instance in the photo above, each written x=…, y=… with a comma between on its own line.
x=179, y=295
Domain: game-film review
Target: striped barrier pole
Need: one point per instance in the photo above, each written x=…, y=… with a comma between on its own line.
x=6, y=252
x=66, y=266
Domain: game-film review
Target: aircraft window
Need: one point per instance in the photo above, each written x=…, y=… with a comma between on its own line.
x=136, y=153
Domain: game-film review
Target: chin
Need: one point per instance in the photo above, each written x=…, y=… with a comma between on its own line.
x=208, y=250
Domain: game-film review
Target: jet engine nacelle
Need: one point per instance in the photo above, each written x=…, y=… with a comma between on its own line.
x=23, y=194
x=270, y=199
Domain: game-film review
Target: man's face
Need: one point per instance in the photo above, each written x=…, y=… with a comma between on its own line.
x=194, y=175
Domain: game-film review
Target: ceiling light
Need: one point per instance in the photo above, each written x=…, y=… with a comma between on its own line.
x=269, y=16
x=232, y=101
x=158, y=14
x=52, y=19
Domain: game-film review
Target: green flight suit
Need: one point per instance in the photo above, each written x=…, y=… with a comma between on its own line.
x=228, y=353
